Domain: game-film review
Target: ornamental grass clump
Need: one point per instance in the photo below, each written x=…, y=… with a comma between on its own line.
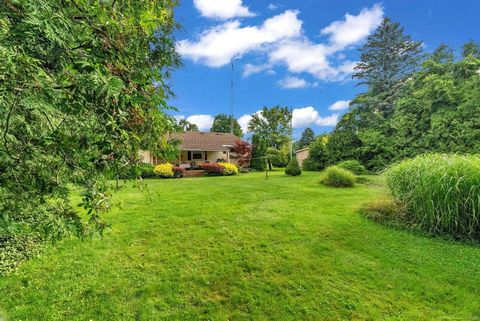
x=440, y=192
x=338, y=177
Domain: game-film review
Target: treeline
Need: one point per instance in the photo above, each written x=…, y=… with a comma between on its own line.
x=414, y=103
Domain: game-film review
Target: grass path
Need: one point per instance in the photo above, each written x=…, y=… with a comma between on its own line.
x=242, y=248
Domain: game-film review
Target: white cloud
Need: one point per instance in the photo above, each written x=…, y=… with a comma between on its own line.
x=339, y=105
x=308, y=116
x=218, y=45
x=272, y=7
x=353, y=29
x=204, y=122
x=243, y=122
x=281, y=41
x=222, y=9
x=250, y=69
x=293, y=83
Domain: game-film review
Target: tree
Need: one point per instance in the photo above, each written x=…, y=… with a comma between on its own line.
x=259, y=151
x=243, y=150
x=293, y=169
x=222, y=124
x=317, y=158
x=387, y=59
x=471, y=49
x=307, y=137
x=83, y=86
x=273, y=126
x=186, y=126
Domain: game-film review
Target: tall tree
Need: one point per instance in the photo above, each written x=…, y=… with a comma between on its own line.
x=273, y=126
x=307, y=137
x=82, y=90
x=222, y=124
x=387, y=58
x=186, y=126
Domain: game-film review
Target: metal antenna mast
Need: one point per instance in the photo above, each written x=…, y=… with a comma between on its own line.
x=231, y=98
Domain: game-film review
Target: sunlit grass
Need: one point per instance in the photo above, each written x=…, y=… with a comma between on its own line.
x=246, y=248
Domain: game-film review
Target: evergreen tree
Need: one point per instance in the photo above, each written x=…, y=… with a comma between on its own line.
x=387, y=59
x=307, y=137
x=293, y=169
x=258, y=161
x=222, y=124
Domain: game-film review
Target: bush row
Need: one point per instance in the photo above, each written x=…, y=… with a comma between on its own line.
x=219, y=169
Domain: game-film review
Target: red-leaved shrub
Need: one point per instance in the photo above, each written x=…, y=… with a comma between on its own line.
x=178, y=171
x=213, y=169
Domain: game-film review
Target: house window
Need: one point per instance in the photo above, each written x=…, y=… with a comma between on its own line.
x=197, y=155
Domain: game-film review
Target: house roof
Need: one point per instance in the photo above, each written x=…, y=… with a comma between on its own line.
x=205, y=141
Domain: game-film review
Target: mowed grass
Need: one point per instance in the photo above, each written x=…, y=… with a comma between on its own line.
x=243, y=248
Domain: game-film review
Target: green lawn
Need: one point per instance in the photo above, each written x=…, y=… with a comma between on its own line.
x=243, y=248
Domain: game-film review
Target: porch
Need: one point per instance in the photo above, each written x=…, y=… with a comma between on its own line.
x=194, y=159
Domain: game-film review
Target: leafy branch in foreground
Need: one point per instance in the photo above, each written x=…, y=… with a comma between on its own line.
x=82, y=89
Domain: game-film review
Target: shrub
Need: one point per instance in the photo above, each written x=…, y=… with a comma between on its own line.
x=146, y=170
x=441, y=193
x=353, y=166
x=338, y=177
x=178, y=172
x=164, y=170
x=213, y=169
x=293, y=169
x=310, y=164
x=317, y=154
x=230, y=169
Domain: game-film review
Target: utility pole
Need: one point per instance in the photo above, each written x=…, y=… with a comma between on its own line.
x=231, y=98
x=291, y=133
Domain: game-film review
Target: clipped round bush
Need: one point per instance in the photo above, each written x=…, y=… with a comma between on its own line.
x=353, y=166
x=293, y=169
x=440, y=192
x=230, y=169
x=164, y=170
x=338, y=177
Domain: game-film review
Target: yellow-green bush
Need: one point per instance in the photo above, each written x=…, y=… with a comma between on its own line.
x=230, y=169
x=164, y=170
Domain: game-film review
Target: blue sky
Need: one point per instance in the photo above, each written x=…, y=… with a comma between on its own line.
x=298, y=54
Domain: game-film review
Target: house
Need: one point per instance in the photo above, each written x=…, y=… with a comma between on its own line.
x=301, y=155
x=198, y=148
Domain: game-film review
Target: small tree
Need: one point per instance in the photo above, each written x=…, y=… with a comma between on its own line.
x=244, y=153
x=293, y=169
x=259, y=150
x=317, y=155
